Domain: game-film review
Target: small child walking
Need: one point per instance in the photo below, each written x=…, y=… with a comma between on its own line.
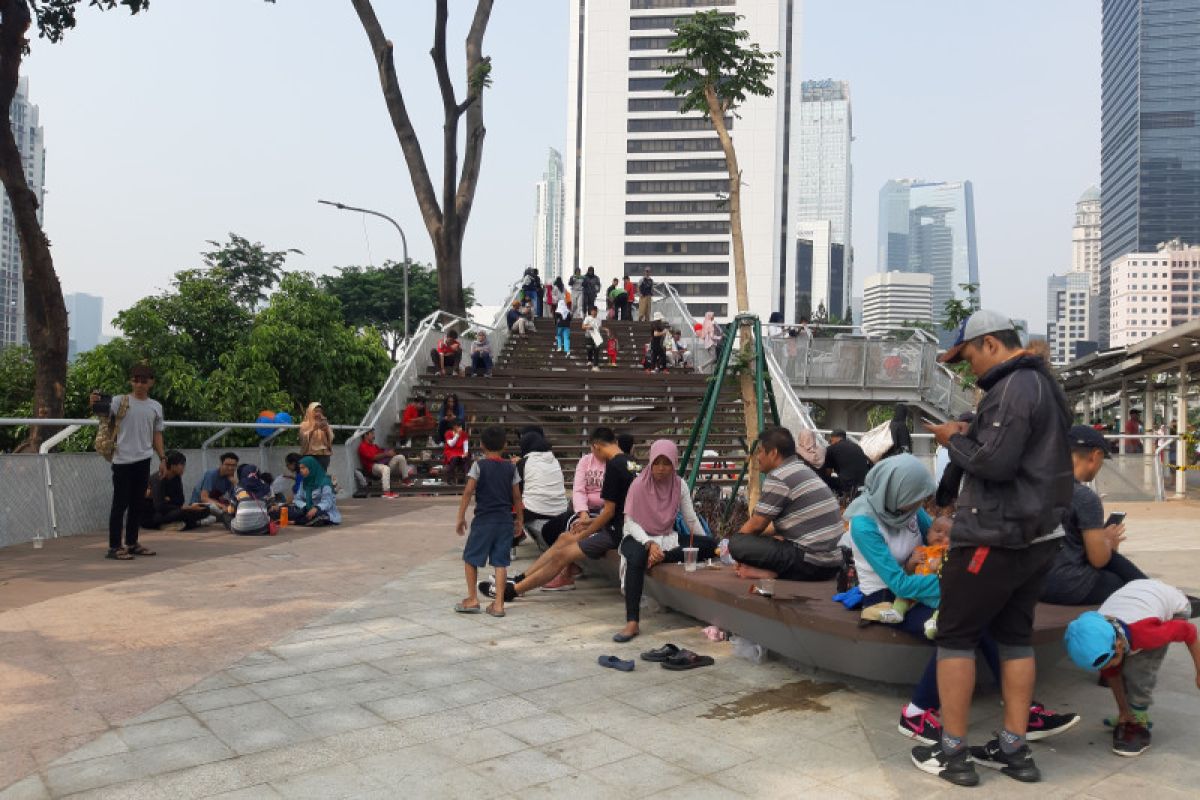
x=610, y=347
x=1126, y=641
x=496, y=487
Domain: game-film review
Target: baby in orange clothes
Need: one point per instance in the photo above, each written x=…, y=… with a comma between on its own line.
x=925, y=559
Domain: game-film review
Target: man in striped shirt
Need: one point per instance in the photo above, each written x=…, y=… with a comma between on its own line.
x=794, y=530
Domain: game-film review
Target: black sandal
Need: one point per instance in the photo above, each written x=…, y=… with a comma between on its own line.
x=118, y=554
x=686, y=659
x=661, y=654
x=138, y=550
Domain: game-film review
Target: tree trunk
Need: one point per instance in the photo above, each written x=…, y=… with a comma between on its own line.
x=746, y=377
x=45, y=311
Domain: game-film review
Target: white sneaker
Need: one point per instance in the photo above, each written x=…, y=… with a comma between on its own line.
x=209, y=520
x=178, y=525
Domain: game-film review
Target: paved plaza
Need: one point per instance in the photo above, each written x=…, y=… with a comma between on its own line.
x=330, y=665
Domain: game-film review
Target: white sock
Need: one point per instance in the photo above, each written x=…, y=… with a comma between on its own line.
x=913, y=711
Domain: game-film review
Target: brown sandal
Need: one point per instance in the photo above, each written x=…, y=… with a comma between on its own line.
x=119, y=554
x=138, y=550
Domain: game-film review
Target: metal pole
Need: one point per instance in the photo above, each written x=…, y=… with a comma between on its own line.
x=403, y=244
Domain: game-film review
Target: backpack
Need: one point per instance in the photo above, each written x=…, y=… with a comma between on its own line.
x=106, y=435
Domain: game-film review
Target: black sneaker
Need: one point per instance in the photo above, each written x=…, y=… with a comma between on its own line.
x=1044, y=723
x=1194, y=602
x=488, y=587
x=1130, y=739
x=1018, y=766
x=957, y=769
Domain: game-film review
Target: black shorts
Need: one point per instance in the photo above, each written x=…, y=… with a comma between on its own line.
x=996, y=592
x=600, y=542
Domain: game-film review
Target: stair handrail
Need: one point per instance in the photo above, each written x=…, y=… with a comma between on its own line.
x=675, y=312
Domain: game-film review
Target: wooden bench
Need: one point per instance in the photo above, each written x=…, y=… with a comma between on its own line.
x=803, y=623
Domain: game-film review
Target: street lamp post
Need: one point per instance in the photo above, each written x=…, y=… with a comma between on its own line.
x=403, y=243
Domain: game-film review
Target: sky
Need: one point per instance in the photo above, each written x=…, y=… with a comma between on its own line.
x=175, y=127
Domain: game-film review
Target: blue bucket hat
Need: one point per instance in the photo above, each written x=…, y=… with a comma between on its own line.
x=1091, y=640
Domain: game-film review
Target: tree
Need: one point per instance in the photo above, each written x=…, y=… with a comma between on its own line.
x=956, y=311
x=715, y=75
x=445, y=220
x=45, y=311
x=16, y=391
x=248, y=270
x=373, y=297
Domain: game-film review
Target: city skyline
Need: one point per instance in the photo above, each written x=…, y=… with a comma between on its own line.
x=24, y=118
x=245, y=178
x=548, y=219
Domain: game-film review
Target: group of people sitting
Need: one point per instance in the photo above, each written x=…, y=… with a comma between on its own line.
x=238, y=496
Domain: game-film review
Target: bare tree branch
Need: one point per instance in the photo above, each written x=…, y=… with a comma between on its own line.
x=427, y=199
x=476, y=131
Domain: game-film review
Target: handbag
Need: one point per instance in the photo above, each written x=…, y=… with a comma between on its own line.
x=106, y=435
x=877, y=441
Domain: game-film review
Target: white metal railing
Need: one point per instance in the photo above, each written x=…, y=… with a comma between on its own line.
x=675, y=312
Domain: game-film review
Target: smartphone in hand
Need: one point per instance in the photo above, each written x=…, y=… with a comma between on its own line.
x=1115, y=518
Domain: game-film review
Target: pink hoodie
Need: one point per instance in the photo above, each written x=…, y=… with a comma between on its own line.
x=589, y=477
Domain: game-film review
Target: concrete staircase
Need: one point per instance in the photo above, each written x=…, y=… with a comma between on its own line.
x=533, y=385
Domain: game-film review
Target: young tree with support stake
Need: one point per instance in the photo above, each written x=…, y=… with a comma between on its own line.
x=446, y=220
x=719, y=71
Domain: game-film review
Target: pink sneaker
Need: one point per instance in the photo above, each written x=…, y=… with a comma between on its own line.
x=925, y=727
x=561, y=583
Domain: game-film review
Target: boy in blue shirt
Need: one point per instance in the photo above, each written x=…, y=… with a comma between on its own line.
x=494, y=483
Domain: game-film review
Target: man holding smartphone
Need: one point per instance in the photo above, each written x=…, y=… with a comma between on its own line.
x=1088, y=568
x=1016, y=489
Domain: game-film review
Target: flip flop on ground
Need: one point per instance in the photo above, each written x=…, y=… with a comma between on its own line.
x=686, y=659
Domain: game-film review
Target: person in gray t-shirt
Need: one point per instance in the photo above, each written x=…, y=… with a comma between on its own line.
x=138, y=438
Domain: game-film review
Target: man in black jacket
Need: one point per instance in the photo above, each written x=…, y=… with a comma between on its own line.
x=1017, y=486
x=164, y=508
x=845, y=458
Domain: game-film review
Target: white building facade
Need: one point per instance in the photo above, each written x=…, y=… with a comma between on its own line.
x=1085, y=237
x=891, y=299
x=646, y=187
x=1070, y=315
x=824, y=186
x=548, y=220
x=23, y=116
x=1152, y=292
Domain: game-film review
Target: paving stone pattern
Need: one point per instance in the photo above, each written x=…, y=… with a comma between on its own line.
x=394, y=695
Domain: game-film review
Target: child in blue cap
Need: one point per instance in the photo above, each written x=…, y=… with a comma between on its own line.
x=1126, y=641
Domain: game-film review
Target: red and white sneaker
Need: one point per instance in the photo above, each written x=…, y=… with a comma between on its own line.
x=390, y=495
x=925, y=727
x=561, y=583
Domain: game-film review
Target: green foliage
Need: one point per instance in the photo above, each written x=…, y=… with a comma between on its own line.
x=956, y=311
x=716, y=58
x=373, y=297
x=16, y=392
x=248, y=271
x=55, y=17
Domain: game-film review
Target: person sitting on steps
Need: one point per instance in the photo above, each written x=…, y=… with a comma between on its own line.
x=385, y=464
x=448, y=353
x=417, y=421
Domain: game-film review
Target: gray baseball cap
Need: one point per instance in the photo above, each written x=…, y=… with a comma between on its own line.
x=980, y=323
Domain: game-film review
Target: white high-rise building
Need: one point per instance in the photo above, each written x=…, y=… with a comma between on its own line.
x=1152, y=292
x=824, y=274
x=1085, y=237
x=891, y=299
x=548, y=220
x=23, y=116
x=1070, y=315
x=647, y=187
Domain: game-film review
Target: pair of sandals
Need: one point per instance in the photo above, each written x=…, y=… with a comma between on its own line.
x=677, y=660
x=127, y=553
x=490, y=610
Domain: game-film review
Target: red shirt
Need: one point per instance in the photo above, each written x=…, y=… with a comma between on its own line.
x=368, y=455
x=448, y=346
x=411, y=412
x=456, y=445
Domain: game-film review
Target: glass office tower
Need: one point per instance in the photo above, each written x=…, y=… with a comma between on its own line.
x=1150, y=131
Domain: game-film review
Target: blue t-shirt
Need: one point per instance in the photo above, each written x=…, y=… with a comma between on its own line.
x=494, y=479
x=216, y=485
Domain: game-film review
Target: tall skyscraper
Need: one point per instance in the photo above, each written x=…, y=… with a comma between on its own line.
x=647, y=187
x=894, y=299
x=1070, y=316
x=548, y=220
x=824, y=185
x=85, y=317
x=927, y=226
x=1085, y=237
x=1150, y=131
x=23, y=116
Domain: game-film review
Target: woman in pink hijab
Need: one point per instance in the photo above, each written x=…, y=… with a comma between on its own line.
x=655, y=497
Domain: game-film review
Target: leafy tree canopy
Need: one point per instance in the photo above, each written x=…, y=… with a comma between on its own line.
x=717, y=57
x=373, y=297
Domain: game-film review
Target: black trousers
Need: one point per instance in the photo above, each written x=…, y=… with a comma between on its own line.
x=189, y=517
x=783, y=558
x=622, y=305
x=637, y=555
x=129, y=488
x=593, y=353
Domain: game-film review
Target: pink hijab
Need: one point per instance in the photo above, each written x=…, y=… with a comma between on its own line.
x=654, y=504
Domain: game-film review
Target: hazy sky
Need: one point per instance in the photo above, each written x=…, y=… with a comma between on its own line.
x=202, y=117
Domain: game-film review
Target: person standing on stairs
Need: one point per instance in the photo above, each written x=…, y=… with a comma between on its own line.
x=551, y=299
x=578, y=308
x=645, y=290
x=658, y=346
x=562, y=328
x=591, y=288
x=593, y=337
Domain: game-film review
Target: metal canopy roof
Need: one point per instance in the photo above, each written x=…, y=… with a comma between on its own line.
x=1159, y=353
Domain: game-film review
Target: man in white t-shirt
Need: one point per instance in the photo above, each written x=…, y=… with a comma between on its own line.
x=139, y=436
